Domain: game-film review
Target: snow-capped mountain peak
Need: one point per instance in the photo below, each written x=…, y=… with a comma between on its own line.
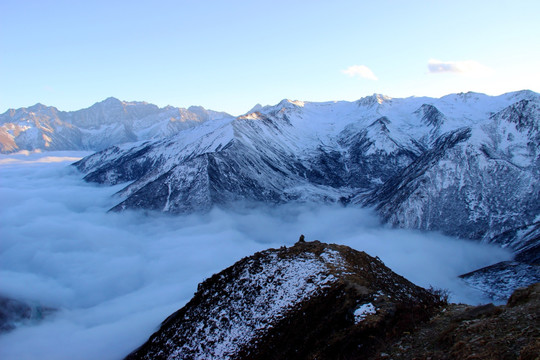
x=256, y=108
x=375, y=99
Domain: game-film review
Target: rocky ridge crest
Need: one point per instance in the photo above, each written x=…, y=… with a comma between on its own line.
x=312, y=300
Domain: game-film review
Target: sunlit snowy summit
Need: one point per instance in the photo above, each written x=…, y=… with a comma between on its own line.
x=107, y=123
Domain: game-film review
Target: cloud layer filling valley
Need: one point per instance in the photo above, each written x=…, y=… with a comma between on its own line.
x=115, y=277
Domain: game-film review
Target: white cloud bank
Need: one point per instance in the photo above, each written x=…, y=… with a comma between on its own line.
x=115, y=277
x=360, y=71
x=470, y=67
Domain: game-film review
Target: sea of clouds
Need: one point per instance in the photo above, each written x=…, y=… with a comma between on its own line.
x=113, y=277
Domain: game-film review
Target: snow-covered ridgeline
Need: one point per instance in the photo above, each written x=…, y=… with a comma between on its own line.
x=107, y=123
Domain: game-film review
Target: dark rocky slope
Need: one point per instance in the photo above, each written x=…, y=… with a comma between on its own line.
x=312, y=300
x=484, y=332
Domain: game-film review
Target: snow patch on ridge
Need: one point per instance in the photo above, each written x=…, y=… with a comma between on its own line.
x=267, y=289
x=363, y=311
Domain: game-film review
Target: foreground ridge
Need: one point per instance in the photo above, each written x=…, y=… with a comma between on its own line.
x=312, y=300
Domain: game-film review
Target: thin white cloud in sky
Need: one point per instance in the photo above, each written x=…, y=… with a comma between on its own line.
x=360, y=71
x=462, y=67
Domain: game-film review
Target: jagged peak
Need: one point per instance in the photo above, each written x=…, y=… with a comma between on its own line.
x=287, y=103
x=522, y=92
x=36, y=108
x=475, y=96
x=197, y=109
x=373, y=100
x=469, y=96
x=522, y=95
x=110, y=100
x=112, y=103
x=257, y=107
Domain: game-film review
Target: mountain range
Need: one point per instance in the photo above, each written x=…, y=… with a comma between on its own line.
x=464, y=164
x=104, y=124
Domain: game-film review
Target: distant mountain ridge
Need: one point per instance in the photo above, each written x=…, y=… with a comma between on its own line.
x=106, y=123
x=465, y=164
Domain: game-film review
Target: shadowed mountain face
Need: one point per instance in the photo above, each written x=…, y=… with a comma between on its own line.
x=107, y=123
x=15, y=312
x=465, y=164
x=312, y=300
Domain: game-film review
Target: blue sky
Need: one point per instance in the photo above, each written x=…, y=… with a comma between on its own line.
x=230, y=55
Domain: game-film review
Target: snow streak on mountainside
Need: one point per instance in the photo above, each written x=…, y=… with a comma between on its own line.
x=104, y=124
x=465, y=164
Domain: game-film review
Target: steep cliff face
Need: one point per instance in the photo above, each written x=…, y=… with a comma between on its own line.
x=372, y=155
x=312, y=300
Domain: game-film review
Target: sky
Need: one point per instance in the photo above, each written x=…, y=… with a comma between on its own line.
x=231, y=55
x=114, y=277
